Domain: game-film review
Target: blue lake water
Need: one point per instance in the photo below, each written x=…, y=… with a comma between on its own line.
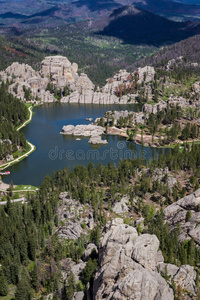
x=55, y=151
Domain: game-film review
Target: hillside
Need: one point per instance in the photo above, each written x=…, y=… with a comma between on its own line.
x=188, y=48
x=137, y=26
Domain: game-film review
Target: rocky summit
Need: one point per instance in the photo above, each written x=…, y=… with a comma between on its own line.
x=129, y=265
x=57, y=74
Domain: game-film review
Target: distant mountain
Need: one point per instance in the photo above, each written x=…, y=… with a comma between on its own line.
x=10, y=15
x=97, y=5
x=49, y=13
x=171, y=9
x=187, y=1
x=137, y=26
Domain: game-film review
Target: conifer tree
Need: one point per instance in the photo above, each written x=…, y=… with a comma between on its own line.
x=3, y=284
x=24, y=291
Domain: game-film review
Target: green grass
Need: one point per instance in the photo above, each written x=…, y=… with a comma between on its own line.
x=8, y=297
x=25, y=188
x=12, y=288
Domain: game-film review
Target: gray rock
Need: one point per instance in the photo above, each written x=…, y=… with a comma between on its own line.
x=196, y=87
x=76, y=269
x=121, y=207
x=126, y=267
x=146, y=74
x=68, y=129
x=74, y=222
x=96, y=140
x=9, y=157
x=145, y=248
x=184, y=276
x=176, y=213
x=92, y=131
x=88, y=251
x=79, y=295
x=83, y=130
x=142, y=285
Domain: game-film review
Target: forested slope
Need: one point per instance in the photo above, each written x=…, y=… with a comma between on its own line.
x=12, y=113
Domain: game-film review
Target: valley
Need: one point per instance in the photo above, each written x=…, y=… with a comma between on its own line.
x=100, y=138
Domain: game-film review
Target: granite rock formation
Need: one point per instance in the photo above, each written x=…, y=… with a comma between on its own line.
x=185, y=212
x=128, y=266
x=92, y=131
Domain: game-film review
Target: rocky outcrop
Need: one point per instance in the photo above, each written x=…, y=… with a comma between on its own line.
x=196, y=87
x=57, y=70
x=128, y=266
x=175, y=61
x=25, y=78
x=90, y=248
x=76, y=219
x=63, y=73
x=97, y=140
x=90, y=97
x=125, y=79
x=154, y=109
x=146, y=74
x=90, y=130
x=163, y=175
x=120, y=78
x=186, y=213
x=121, y=207
x=83, y=130
x=185, y=276
x=162, y=105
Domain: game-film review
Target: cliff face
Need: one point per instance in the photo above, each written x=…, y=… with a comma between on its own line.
x=62, y=72
x=56, y=70
x=27, y=84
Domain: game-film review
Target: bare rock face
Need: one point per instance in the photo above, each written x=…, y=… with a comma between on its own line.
x=97, y=140
x=185, y=212
x=89, y=96
x=146, y=74
x=63, y=73
x=25, y=78
x=184, y=276
x=154, y=109
x=128, y=266
x=76, y=219
x=90, y=247
x=120, y=78
x=20, y=70
x=196, y=87
x=122, y=206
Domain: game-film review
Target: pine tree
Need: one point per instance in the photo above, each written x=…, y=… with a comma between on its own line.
x=3, y=284
x=70, y=289
x=24, y=291
x=34, y=278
